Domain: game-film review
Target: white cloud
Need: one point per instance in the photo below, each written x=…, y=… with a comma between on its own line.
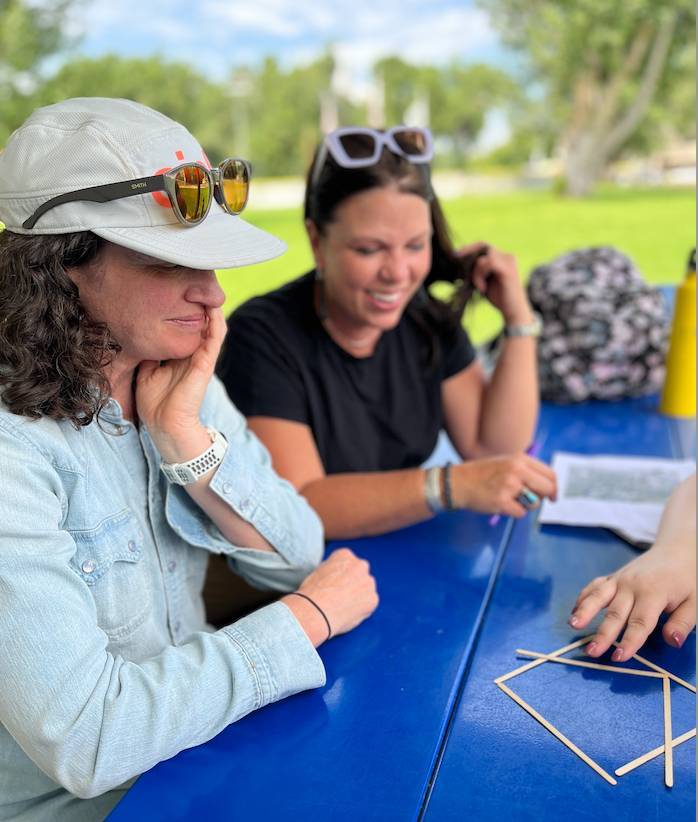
x=220, y=34
x=432, y=40
x=279, y=18
x=126, y=17
x=172, y=29
x=260, y=17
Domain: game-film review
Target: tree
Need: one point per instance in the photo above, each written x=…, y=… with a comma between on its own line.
x=172, y=88
x=600, y=66
x=28, y=35
x=403, y=83
x=269, y=115
x=458, y=96
x=284, y=114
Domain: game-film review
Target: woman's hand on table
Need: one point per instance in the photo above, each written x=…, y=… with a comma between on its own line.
x=492, y=485
x=343, y=588
x=661, y=580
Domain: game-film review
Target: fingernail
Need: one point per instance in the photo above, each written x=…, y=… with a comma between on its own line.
x=618, y=655
x=573, y=621
x=678, y=638
x=591, y=647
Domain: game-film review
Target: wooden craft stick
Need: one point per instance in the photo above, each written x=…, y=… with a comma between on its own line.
x=654, y=667
x=654, y=753
x=537, y=662
x=558, y=734
x=668, y=747
x=595, y=665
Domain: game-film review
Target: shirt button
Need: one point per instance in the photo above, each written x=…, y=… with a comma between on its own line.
x=119, y=429
x=244, y=505
x=176, y=627
x=227, y=488
x=171, y=566
x=132, y=547
x=89, y=566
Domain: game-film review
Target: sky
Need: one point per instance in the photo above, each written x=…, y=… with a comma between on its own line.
x=216, y=35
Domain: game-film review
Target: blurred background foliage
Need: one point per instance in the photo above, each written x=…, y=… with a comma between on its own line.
x=593, y=81
x=654, y=227
x=590, y=85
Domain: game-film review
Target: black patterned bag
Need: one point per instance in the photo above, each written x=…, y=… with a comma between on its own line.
x=605, y=331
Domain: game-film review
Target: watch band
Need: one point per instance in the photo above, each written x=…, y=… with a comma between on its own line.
x=432, y=489
x=184, y=473
x=531, y=329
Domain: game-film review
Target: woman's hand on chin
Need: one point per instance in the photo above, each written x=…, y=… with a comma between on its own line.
x=169, y=395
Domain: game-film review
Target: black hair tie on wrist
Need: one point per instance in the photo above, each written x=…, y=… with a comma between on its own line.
x=448, y=491
x=322, y=613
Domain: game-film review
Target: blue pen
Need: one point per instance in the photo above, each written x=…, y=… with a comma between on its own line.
x=533, y=451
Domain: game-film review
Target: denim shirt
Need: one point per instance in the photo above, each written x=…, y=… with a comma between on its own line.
x=107, y=665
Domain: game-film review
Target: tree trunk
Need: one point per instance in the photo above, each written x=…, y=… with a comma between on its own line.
x=582, y=170
x=599, y=126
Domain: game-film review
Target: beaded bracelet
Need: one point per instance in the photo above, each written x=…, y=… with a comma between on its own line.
x=448, y=491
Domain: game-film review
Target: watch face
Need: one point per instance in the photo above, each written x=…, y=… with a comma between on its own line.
x=185, y=475
x=188, y=472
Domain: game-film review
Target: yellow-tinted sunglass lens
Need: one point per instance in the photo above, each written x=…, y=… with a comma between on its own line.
x=193, y=189
x=235, y=184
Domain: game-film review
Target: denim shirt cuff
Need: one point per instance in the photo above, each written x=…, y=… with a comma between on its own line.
x=281, y=658
x=244, y=488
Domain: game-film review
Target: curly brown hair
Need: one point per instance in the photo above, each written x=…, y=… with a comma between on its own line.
x=52, y=355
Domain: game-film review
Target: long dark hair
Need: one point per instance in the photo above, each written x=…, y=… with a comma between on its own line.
x=52, y=355
x=335, y=184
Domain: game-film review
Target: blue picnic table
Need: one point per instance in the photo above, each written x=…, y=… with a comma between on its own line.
x=410, y=724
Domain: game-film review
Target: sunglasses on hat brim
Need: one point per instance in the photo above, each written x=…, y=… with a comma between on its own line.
x=357, y=147
x=190, y=188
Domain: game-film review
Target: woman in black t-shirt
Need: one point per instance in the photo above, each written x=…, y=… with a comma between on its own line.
x=348, y=373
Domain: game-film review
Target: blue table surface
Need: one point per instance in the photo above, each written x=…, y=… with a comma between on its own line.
x=366, y=743
x=498, y=761
x=410, y=724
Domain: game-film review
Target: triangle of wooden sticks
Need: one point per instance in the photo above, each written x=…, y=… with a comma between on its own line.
x=656, y=673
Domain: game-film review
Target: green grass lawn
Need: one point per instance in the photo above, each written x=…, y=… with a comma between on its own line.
x=655, y=227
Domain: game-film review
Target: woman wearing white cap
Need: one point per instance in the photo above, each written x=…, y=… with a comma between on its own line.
x=125, y=465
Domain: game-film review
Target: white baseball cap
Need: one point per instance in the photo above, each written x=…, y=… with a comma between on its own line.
x=93, y=141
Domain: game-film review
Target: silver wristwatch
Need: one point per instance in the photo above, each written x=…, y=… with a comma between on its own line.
x=531, y=329
x=184, y=473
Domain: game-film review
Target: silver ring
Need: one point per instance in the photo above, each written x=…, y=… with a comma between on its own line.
x=527, y=498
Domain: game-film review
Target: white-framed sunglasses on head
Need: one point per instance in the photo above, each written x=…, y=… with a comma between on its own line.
x=358, y=147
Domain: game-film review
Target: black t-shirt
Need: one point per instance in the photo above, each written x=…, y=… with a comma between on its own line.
x=377, y=413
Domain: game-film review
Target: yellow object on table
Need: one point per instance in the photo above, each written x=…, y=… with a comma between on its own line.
x=679, y=394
